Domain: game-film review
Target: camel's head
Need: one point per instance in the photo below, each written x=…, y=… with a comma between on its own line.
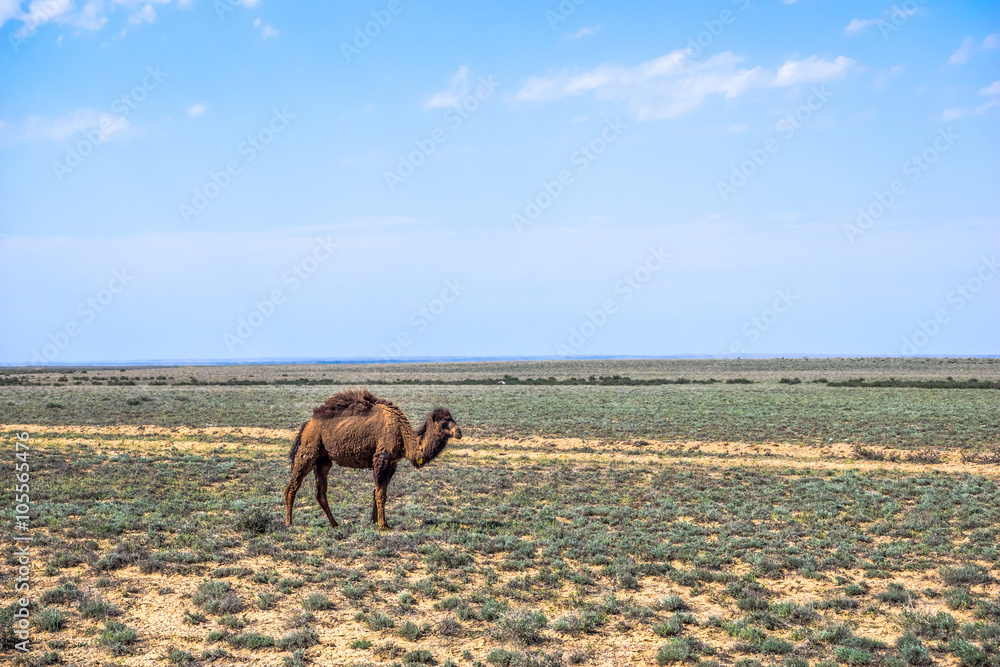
x=434, y=435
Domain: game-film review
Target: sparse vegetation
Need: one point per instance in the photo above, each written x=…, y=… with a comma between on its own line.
x=610, y=533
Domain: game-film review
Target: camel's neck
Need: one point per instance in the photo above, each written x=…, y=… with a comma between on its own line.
x=413, y=445
x=423, y=448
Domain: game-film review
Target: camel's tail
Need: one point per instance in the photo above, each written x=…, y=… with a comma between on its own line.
x=295, y=446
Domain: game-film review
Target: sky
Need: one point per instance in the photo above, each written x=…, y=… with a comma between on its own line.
x=247, y=179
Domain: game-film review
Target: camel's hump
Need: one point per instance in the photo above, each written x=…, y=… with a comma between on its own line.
x=350, y=403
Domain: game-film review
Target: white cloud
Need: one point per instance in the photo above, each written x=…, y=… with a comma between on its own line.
x=672, y=84
x=196, y=110
x=811, y=70
x=145, y=15
x=992, y=89
x=454, y=95
x=963, y=53
x=736, y=129
x=41, y=12
x=92, y=15
x=585, y=31
x=857, y=25
x=969, y=47
x=9, y=9
x=62, y=128
x=266, y=31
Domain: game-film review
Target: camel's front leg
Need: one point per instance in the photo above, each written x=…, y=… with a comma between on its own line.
x=299, y=472
x=383, y=471
x=322, y=470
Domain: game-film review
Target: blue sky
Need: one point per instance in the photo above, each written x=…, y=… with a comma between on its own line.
x=245, y=179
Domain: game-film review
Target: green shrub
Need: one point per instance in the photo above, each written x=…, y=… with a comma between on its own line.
x=912, y=650
x=967, y=575
x=255, y=521
x=50, y=619
x=672, y=603
x=194, y=618
x=98, y=608
x=853, y=656
x=418, y=656
x=250, y=640
x=296, y=659
x=62, y=595
x=376, y=620
x=972, y=655
x=896, y=594
x=317, y=602
x=232, y=622
x=521, y=626
x=217, y=597
x=410, y=630
x=117, y=638
x=959, y=598
x=677, y=650
x=178, y=657
x=939, y=626
x=773, y=645
x=588, y=621
x=299, y=639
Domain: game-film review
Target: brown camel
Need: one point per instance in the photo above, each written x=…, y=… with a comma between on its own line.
x=354, y=429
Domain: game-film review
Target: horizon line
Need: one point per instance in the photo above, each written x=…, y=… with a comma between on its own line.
x=368, y=361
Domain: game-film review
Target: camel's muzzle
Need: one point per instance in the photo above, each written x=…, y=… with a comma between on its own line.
x=458, y=433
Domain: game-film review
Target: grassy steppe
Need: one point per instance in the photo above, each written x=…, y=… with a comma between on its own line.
x=590, y=525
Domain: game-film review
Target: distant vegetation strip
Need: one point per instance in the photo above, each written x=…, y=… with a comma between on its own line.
x=597, y=381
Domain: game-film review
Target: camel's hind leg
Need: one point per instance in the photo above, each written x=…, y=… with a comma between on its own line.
x=322, y=469
x=383, y=472
x=299, y=473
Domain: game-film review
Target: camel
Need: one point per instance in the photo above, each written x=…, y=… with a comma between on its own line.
x=355, y=429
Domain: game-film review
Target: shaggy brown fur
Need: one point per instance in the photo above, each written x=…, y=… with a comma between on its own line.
x=355, y=429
